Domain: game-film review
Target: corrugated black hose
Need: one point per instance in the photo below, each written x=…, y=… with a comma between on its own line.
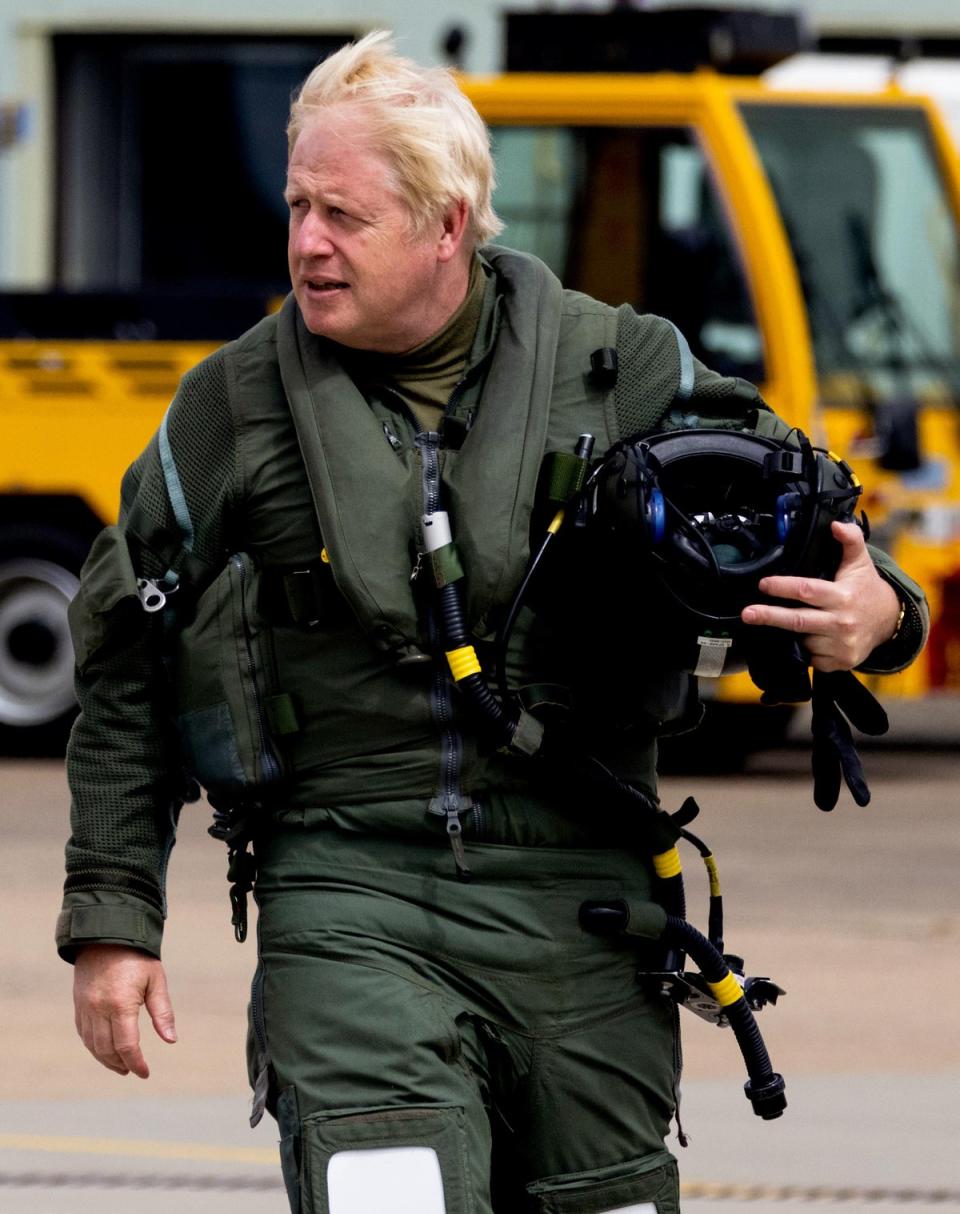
x=765, y=1089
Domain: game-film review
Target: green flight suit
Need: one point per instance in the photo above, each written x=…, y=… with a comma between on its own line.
x=395, y=1004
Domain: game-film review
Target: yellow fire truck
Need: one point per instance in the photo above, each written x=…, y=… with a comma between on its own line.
x=809, y=242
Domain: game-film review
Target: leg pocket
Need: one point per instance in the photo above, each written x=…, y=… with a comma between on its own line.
x=646, y=1186
x=408, y=1161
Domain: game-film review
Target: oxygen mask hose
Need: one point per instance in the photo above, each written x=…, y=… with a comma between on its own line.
x=764, y=1088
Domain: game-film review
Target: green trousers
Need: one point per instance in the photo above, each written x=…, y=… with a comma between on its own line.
x=408, y=1029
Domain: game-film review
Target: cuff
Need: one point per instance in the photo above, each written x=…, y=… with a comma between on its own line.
x=897, y=653
x=107, y=918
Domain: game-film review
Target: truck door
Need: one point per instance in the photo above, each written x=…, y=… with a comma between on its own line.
x=868, y=197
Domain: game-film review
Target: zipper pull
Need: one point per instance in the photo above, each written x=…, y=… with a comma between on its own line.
x=455, y=835
x=391, y=438
x=152, y=598
x=449, y=807
x=417, y=566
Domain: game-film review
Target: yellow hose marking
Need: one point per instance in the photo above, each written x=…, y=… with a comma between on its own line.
x=666, y=864
x=728, y=990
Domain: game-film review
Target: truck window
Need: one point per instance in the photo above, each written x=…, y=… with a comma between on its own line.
x=172, y=159
x=875, y=242
x=632, y=214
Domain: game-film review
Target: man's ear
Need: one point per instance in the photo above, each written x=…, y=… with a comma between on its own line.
x=455, y=220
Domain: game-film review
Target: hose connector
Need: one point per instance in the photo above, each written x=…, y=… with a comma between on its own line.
x=768, y=1097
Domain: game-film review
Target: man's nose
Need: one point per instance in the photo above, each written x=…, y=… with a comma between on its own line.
x=313, y=239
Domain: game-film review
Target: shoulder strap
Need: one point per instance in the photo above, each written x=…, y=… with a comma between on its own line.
x=171, y=478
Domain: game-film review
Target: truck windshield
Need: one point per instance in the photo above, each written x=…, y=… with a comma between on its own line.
x=875, y=241
x=632, y=214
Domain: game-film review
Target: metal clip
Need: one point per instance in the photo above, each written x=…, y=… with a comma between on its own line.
x=152, y=598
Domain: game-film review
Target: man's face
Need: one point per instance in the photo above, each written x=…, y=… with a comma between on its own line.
x=358, y=274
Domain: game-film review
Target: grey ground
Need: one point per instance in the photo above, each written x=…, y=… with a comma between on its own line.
x=856, y=913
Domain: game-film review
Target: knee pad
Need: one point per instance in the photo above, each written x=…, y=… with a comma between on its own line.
x=405, y=1180
x=643, y=1186
x=406, y=1160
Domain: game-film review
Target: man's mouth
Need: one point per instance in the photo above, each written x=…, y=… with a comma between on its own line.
x=319, y=287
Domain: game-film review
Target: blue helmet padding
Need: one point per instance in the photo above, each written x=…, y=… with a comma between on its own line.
x=656, y=516
x=788, y=504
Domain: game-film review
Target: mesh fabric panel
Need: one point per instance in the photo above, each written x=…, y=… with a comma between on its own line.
x=649, y=376
x=117, y=789
x=201, y=433
x=123, y=766
x=649, y=371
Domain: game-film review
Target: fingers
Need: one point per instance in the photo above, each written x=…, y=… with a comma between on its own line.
x=98, y=1038
x=113, y=1038
x=850, y=536
x=160, y=1008
x=126, y=1041
x=808, y=602
x=111, y=983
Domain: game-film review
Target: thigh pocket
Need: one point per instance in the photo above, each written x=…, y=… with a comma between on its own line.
x=408, y=1161
x=646, y=1186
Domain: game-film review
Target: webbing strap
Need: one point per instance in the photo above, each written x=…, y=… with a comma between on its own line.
x=687, y=370
x=445, y=565
x=171, y=476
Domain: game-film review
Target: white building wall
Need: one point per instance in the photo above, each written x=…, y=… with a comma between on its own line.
x=25, y=26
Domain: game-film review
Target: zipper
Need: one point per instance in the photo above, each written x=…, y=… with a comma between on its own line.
x=270, y=768
x=256, y=1008
x=450, y=801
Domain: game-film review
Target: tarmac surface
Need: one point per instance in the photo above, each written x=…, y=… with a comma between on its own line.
x=856, y=914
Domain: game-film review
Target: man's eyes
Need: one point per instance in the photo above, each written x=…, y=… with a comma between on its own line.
x=303, y=204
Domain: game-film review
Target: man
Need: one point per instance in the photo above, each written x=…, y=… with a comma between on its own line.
x=427, y=1042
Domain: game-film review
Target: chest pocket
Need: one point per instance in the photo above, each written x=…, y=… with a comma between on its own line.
x=306, y=597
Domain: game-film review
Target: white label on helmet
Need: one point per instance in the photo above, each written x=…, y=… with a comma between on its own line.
x=398, y=1180
x=646, y=1207
x=713, y=654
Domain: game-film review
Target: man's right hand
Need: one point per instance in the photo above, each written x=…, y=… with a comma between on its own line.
x=110, y=983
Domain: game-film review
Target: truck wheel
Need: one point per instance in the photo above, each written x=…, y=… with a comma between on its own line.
x=39, y=569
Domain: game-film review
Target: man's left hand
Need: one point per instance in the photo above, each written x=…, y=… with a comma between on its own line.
x=841, y=622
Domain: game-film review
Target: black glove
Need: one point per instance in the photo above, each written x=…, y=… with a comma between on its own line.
x=834, y=752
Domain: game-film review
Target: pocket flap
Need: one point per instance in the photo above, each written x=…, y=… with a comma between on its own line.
x=107, y=580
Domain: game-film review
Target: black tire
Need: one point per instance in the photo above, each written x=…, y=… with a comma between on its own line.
x=39, y=568
x=725, y=739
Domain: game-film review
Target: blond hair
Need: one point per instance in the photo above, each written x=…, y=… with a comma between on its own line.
x=418, y=119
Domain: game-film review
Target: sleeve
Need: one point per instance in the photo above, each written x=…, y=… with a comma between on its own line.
x=123, y=768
